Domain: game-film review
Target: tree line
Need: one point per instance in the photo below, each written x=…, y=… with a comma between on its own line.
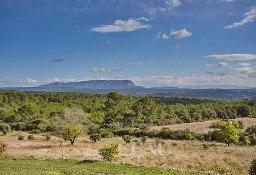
x=34, y=111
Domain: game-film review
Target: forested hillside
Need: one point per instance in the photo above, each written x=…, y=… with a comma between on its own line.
x=34, y=111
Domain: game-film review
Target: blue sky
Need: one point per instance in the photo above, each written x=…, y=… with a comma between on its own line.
x=183, y=43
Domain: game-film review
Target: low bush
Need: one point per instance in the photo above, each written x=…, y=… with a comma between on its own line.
x=95, y=137
x=106, y=134
x=31, y=137
x=206, y=146
x=127, y=138
x=48, y=136
x=110, y=152
x=5, y=128
x=21, y=137
x=252, y=170
x=3, y=147
x=143, y=139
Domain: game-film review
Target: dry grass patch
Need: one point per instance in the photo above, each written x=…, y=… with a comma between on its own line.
x=203, y=126
x=181, y=155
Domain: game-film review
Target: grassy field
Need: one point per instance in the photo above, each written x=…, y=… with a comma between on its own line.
x=178, y=155
x=71, y=167
x=204, y=126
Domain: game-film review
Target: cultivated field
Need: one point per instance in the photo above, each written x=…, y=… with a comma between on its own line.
x=180, y=155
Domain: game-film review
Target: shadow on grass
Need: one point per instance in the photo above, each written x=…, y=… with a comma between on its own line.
x=87, y=161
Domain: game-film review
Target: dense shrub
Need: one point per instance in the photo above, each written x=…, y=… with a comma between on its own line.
x=95, y=137
x=143, y=139
x=106, y=134
x=110, y=152
x=251, y=130
x=127, y=138
x=31, y=137
x=5, y=128
x=252, y=170
x=21, y=137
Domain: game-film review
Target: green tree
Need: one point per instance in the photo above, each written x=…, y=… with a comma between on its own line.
x=229, y=134
x=115, y=109
x=71, y=132
x=71, y=125
x=144, y=110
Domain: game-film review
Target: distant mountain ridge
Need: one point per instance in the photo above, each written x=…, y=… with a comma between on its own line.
x=91, y=84
x=127, y=87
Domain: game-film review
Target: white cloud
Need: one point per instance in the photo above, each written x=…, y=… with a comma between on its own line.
x=249, y=17
x=103, y=70
x=233, y=57
x=173, y=3
x=223, y=64
x=143, y=63
x=194, y=80
x=31, y=81
x=208, y=65
x=227, y=0
x=54, y=80
x=244, y=64
x=142, y=19
x=122, y=26
x=245, y=70
x=179, y=34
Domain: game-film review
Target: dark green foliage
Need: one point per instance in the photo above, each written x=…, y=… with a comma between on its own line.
x=251, y=130
x=127, y=138
x=31, y=137
x=5, y=128
x=252, y=170
x=95, y=137
x=144, y=139
x=21, y=137
x=34, y=111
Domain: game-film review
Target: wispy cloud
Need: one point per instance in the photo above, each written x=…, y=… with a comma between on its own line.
x=244, y=64
x=179, y=34
x=142, y=63
x=103, y=69
x=194, y=80
x=173, y=3
x=57, y=60
x=31, y=81
x=122, y=26
x=227, y=0
x=53, y=80
x=223, y=64
x=248, y=17
x=208, y=65
x=233, y=57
